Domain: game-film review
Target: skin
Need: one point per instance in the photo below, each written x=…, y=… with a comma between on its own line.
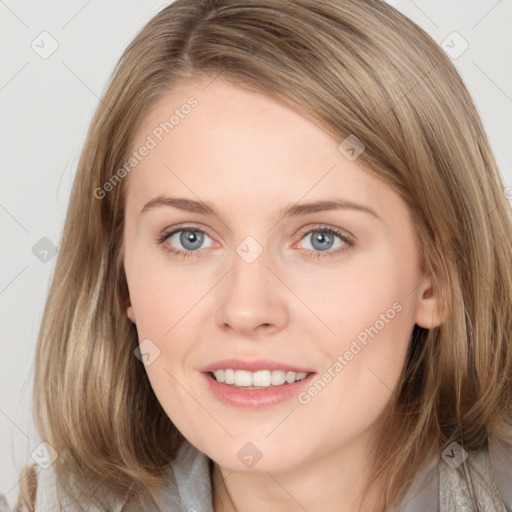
x=251, y=157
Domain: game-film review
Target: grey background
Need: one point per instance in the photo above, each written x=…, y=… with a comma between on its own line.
x=47, y=105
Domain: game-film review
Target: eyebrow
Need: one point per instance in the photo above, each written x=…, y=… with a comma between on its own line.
x=207, y=208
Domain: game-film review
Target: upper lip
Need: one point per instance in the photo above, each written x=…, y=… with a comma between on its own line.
x=254, y=366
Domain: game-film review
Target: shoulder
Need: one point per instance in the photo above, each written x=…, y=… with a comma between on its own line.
x=188, y=484
x=500, y=457
x=458, y=478
x=481, y=479
x=468, y=477
x=48, y=496
x=187, y=487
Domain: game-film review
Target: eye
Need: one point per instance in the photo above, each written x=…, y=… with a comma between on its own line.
x=322, y=241
x=187, y=241
x=190, y=239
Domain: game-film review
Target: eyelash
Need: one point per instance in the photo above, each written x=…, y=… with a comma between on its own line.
x=312, y=254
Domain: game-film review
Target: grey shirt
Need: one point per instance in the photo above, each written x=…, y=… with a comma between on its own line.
x=439, y=488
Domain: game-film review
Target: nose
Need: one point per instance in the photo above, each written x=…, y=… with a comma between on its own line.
x=252, y=300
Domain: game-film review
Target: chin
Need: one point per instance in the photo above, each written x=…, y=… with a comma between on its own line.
x=256, y=457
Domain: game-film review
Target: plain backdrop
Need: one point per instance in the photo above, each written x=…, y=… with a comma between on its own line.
x=47, y=102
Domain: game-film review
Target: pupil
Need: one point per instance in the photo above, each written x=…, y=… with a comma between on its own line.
x=322, y=238
x=191, y=237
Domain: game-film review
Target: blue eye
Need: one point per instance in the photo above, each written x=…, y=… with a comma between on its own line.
x=190, y=239
x=321, y=238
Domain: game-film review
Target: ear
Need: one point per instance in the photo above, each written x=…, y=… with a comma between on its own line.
x=130, y=314
x=129, y=310
x=428, y=309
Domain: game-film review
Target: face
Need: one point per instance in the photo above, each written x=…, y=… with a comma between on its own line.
x=331, y=290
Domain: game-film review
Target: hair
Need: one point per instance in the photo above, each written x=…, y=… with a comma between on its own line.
x=352, y=67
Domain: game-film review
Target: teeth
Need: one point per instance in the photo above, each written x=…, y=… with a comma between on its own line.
x=259, y=379
x=229, y=376
x=278, y=378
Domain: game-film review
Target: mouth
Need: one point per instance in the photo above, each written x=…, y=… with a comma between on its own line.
x=255, y=384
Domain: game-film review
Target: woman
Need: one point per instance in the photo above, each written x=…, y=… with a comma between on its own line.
x=337, y=336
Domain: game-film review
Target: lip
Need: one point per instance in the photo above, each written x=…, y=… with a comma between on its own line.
x=253, y=366
x=254, y=398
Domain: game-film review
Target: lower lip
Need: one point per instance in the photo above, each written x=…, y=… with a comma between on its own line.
x=255, y=398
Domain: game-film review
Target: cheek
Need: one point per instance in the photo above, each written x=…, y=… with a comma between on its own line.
x=371, y=312
x=359, y=298
x=161, y=296
x=365, y=358
x=166, y=307
x=162, y=302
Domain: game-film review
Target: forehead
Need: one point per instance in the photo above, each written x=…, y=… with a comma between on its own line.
x=222, y=143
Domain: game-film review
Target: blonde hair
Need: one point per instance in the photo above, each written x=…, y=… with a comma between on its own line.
x=353, y=67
